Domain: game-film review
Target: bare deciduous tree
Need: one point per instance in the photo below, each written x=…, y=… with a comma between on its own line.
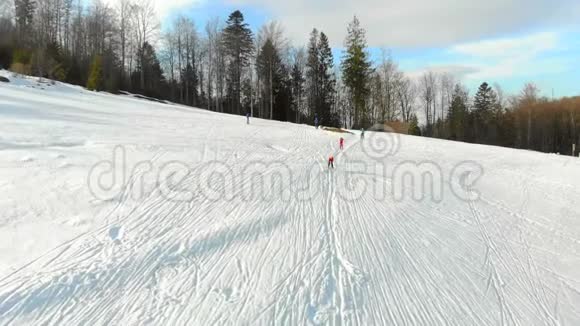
x=529, y=96
x=212, y=31
x=428, y=84
x=406, y=97
x=146, y=24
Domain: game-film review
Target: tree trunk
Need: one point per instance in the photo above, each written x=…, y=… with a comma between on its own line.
x=529, y=138
x=271, y=94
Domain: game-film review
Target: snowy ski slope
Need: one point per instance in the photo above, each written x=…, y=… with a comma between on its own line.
x=121, y=211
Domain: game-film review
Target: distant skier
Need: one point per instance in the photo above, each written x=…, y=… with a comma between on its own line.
x=248, y=118
x=316, y=121
x=362, y=133
x=341, y=141
x=331, y=162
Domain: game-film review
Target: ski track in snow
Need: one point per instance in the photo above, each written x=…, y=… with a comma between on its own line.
x=510, y=258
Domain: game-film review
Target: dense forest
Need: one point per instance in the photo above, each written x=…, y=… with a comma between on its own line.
x=226, y=66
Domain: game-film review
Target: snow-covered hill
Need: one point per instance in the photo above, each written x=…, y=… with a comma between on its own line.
x=121, y=211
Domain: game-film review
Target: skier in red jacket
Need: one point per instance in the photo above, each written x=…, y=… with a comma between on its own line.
x=341, y=143
x=331, y=162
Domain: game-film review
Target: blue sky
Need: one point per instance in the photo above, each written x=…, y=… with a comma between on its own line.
x=508, y=42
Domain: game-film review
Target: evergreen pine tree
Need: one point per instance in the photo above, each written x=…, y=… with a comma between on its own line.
x=312, y=75
x=148, y=66
x=238, y=45
x=414, y=128
x=326, y=82
x=485, y=98
x=111, y=67
x=54, y=61
x=269, y=66
x=483, y=104
x=356, y=71
x=297, y=85
x=457, y=114
x=283, y=95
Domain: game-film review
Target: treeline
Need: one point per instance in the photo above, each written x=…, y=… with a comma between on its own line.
x=89, y=45
x=227, y=67
x=527, y=121
x=223, y=67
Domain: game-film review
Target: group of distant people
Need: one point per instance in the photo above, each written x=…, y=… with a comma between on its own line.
x=316, y=122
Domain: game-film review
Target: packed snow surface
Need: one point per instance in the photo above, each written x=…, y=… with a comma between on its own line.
x=116, y=210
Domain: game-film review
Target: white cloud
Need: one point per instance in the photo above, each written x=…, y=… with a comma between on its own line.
x=459, y=71
x=514, y=57
x=497, y=59
x=418, y=23
x=509, y=47
x=164, y=7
